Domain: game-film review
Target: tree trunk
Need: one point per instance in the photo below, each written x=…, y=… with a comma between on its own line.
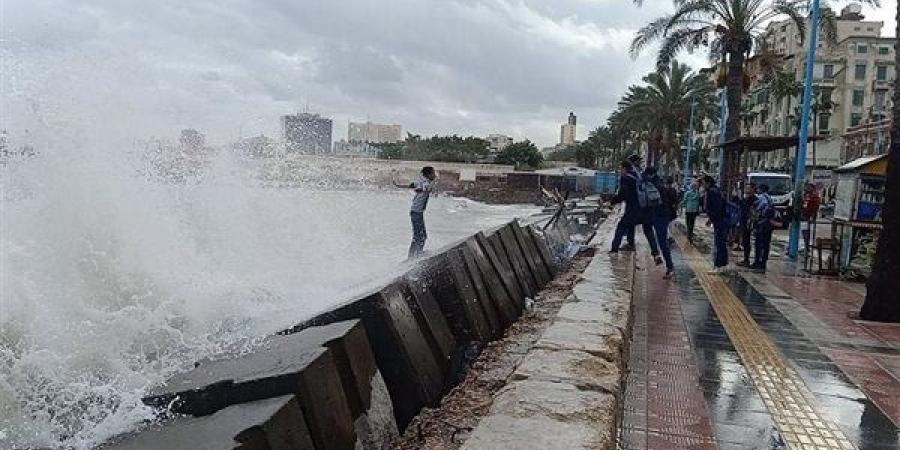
x=882, y=302
x=734, y=85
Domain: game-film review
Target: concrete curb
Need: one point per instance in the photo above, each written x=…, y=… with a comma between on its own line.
x=568, y=391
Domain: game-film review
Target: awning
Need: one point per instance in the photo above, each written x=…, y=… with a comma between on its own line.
x=860, y=163
x=764, y=143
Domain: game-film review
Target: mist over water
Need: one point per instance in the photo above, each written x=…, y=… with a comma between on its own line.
x=114, y=278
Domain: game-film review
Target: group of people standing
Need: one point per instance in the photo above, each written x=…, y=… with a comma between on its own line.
x=653, y=204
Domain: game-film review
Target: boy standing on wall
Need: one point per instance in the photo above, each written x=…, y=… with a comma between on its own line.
x=417, y=209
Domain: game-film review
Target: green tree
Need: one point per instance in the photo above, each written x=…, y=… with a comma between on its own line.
x=882, y=302
x=520, y=154
x=659, y=110
x=731, y=30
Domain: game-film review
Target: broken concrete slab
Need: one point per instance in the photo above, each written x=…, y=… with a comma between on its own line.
x=271, y=424
x=576, y=367
x=502, y=266
x=282, y=365
x=532, y=257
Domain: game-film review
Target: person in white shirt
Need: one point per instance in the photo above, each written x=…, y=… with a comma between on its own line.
x=417, y=209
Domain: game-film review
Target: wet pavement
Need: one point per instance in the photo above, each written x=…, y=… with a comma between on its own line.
x=756, y=362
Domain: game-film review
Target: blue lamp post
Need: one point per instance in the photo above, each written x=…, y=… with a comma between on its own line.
x=800, y=163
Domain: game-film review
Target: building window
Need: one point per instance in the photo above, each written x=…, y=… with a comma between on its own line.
x=879, y=100
x=828, y=71
x=856, y=28
x=855, y=119
x=860, y=72
x=884, y=50
x=823, y=123
x=881, y=73
x=858, y=96
x=862, y=48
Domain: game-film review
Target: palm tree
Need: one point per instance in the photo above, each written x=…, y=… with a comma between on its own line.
x=731, y=30
x=882, y=303
x=661, y=108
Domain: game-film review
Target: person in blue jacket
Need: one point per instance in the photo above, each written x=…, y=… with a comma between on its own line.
x=715, y=213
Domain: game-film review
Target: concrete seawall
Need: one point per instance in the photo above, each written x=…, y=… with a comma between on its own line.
x=356, y=375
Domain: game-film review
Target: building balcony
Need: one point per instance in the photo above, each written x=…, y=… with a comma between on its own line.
x=824, y=82
x=882, y=85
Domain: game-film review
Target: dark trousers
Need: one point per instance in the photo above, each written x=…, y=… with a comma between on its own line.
x=661, y=226
x=691, y=219
x=625, y=229
x=763, y=242
x=720, y=232
x=746, y=232
x=419, y=234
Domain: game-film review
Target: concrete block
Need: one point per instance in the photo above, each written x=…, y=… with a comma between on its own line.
x=450, y=283
x=432, y=321
x=501, y=265
x=507, y=311
x=517, y=258
x=283, y=365
x=411, y=370
x=599, y=340
x=499, y=432
x=532, y=257
x=489, y=308
x=606, y=313
x=496, y=241
x=576, y=367
x=271, y=424
x=544, y=250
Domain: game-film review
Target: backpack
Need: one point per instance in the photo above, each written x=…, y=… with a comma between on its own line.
x=647, y=193
x=732, y=214
x=765, y=212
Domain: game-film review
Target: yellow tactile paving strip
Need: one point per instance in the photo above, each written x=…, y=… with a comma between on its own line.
x=782, y=390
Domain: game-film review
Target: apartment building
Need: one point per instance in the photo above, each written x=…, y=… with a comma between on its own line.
x=852, y=82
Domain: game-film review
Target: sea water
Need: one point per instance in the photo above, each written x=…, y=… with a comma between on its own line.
x=114, y=274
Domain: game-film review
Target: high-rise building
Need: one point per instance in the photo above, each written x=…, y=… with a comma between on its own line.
x=567, y=131
x=307, y=133
x=373, y=133
x=497, y=142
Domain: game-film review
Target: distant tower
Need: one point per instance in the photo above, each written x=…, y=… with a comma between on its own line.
x=567, y=131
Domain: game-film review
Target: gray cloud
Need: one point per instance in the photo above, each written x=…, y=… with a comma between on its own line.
x=436, y=66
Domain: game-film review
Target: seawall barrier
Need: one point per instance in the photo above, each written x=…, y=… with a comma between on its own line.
x=353, y=377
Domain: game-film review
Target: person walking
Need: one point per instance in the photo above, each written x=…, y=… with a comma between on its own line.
x=715, y=213
x=661, y=216
x=422, y=188
x=748, y=203
x=630, y=184
x=809, y=212
x=691, y=204
x=763, y=228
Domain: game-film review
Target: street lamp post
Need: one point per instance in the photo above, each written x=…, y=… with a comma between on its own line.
x=689, y=151
x=800, y=165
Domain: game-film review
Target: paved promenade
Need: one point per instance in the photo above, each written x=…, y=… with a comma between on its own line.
x=752, y=361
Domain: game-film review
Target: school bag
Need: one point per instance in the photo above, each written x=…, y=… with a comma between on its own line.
x=732, y=214
x=647, y=193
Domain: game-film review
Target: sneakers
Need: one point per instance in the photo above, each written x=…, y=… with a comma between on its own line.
x=658, y=260
x=627, y=248
x=758, y=268
x=743, y=263
x=669, y=274
x=613, y=252
x=718, y=270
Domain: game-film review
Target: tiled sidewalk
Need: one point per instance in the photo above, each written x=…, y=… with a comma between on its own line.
x=689, y=387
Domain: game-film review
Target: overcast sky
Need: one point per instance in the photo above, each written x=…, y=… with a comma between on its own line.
x=231, y=67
